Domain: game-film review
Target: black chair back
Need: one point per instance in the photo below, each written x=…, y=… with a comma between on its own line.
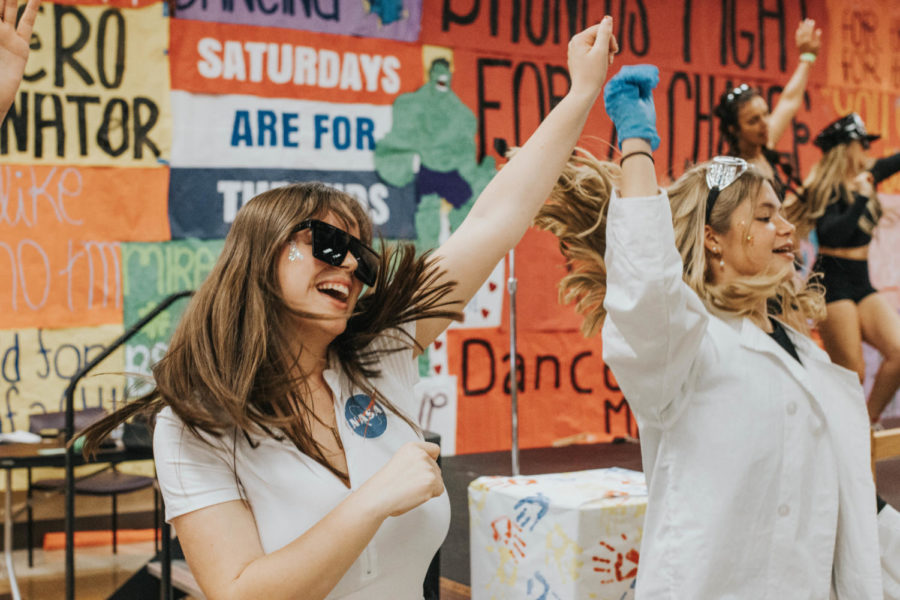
x=56, y=421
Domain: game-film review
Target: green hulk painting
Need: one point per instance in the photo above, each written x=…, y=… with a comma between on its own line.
x=432, y=143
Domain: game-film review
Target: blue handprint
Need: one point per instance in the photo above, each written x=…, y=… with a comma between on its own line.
x=538, y=588
x=531, y=510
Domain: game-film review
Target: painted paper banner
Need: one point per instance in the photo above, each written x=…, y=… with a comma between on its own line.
x=509, y=96
x=726, y=36
x=485, y=309
x=539, y=268
x=59, y=232
x=559, y=536
x=436, y=399
x=864, y=42
x=213, y=58
x=96, y=89
x=538, y=28
x=203, y=202
x=395, y=19
x=234, y=131
x=37, y=364
x=151, y=272
x=486, y=306
x=586, y=405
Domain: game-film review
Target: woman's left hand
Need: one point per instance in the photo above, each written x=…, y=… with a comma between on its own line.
x=807, y=37
x=591, y=53
x=14, y=43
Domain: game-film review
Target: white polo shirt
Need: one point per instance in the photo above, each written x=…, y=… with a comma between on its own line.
x=289, y=492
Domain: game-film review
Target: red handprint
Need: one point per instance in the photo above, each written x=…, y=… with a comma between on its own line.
x=507, y=531
x=616, y=570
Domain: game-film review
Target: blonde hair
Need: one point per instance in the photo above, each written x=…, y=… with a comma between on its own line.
x=576, y=214
x=825, y=185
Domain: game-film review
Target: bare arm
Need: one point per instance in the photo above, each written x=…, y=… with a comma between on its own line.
x=223, y=549
x=638, y=174
x=14, y=43
x=654, y=323
x=809, y=40
x=506, y=207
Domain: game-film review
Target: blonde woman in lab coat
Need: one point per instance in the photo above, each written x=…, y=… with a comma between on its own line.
x=755, y=445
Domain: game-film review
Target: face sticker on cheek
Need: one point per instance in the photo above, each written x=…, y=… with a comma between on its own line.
x=294, y=253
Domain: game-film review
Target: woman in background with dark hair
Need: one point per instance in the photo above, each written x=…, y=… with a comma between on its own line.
x=285, y=452
x=751, y=131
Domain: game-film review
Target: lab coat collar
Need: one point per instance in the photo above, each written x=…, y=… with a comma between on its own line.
x=754, y=338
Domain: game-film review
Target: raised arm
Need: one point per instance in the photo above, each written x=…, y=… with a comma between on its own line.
x=14, y=42
x=506, y=207
x=655, y=322
x=809, y=40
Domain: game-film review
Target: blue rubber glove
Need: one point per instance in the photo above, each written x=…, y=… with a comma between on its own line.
x=629, y=103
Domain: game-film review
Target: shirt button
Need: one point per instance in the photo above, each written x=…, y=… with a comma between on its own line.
x=784, y=510
x=792, y=408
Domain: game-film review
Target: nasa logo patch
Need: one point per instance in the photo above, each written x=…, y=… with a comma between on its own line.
x=365, y=416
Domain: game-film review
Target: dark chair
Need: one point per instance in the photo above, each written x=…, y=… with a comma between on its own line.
x=106, y=482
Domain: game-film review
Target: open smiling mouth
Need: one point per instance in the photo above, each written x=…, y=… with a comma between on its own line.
x=786, y=249
x=338, y=291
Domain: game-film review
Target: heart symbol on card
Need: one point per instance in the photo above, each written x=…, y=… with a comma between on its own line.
x=485, y=312
x=438, y=344
x=492, y=286
x=437, y=368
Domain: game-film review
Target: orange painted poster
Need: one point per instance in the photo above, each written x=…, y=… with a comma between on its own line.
x=539, y=267
x=218, y=58
x=864, y=44
x=566, y=393
x=60, y=229
x=749, y=39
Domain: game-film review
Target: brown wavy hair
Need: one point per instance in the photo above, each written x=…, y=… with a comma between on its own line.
x=576, y=213
x=230, y=359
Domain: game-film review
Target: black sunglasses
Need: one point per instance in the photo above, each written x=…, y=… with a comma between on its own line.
x=330, y=245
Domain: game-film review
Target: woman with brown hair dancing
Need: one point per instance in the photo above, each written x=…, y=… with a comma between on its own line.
x=285, y=452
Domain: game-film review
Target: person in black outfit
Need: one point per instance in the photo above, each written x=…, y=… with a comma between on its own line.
x=840, y=203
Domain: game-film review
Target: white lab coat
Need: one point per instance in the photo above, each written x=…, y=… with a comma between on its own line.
x=758, y=466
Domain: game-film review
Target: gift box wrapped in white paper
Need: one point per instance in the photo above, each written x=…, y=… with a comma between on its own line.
x=559, y=536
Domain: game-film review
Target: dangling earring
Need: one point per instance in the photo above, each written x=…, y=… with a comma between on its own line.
x=294, y=252
x=722, y=263
x=717, y=252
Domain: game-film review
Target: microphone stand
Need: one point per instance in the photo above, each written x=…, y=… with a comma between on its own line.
x=513, y=362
